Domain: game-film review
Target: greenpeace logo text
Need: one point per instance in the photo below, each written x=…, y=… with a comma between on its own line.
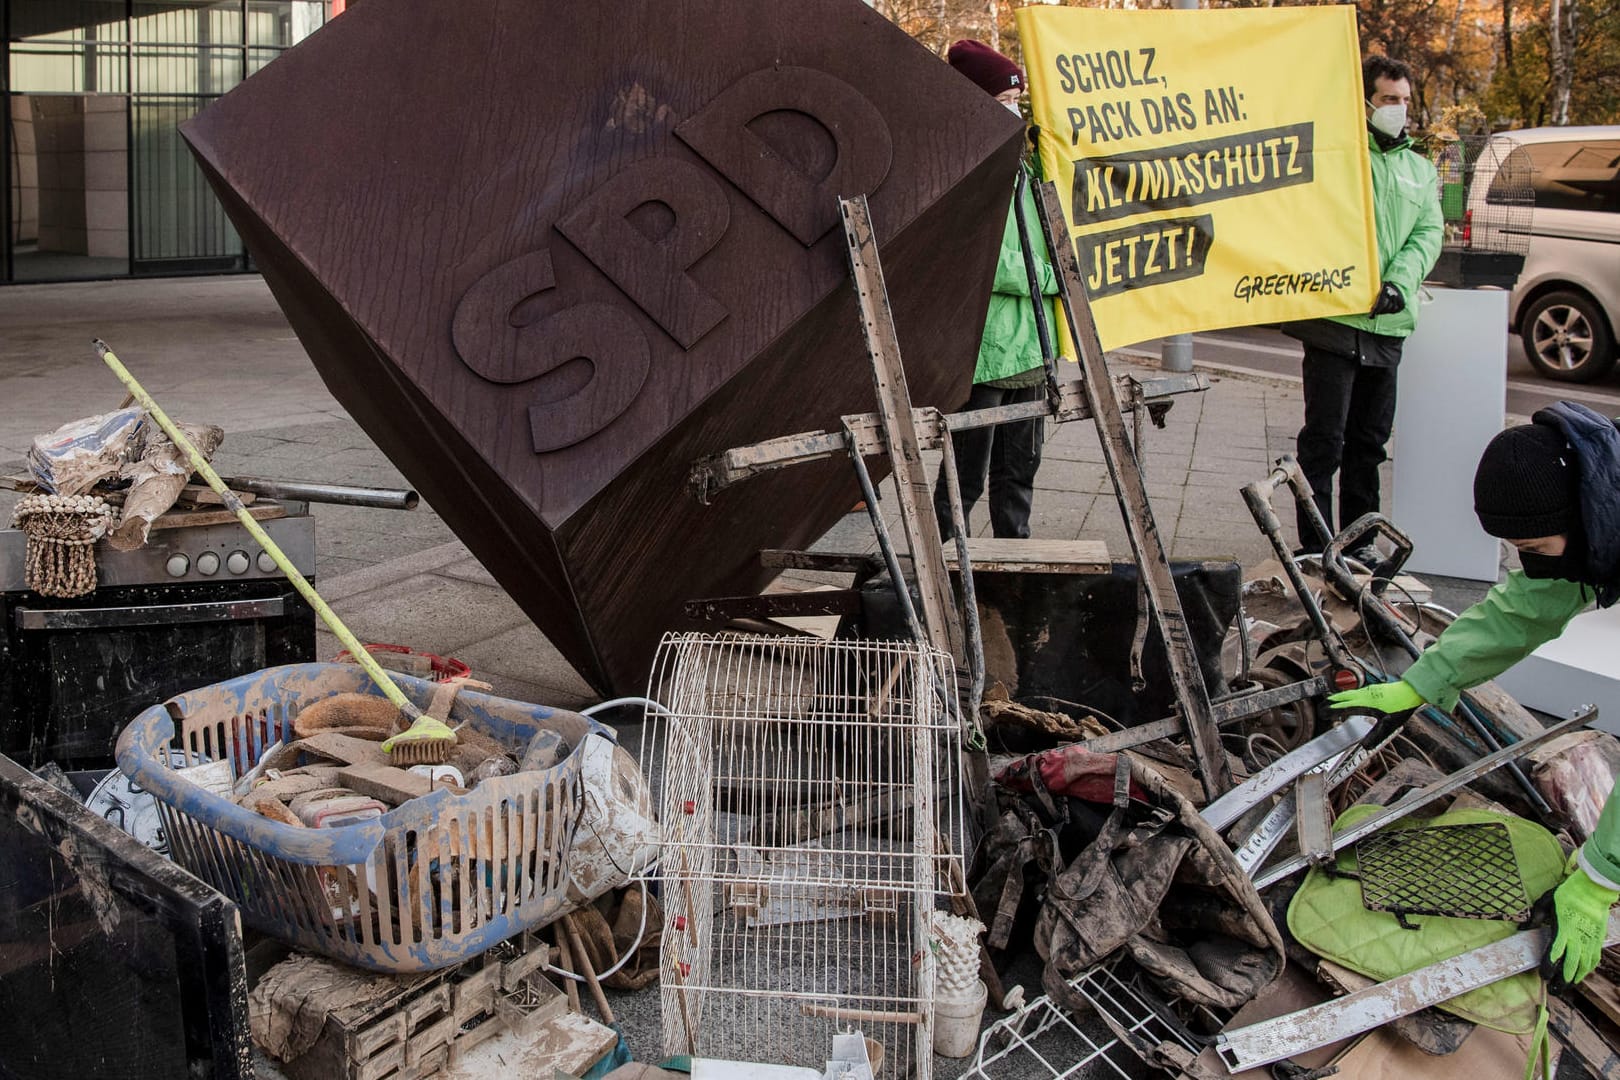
x=1310, y=281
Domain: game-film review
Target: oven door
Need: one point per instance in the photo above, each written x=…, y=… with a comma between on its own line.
x=85, y=667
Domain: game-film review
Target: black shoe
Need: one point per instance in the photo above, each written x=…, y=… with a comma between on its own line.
x=1367, y=555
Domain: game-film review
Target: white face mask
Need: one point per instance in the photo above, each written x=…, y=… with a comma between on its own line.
x=1389, y=119
x=1012, y=107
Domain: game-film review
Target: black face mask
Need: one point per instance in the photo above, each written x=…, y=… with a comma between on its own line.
x=1570, y=566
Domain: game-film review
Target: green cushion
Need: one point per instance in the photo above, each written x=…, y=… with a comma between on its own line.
x=1327, y=917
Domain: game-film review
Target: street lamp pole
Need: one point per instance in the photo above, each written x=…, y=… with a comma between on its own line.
x=1176, y=354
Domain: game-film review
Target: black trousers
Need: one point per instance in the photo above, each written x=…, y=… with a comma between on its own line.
x=1007, y=456
x=1349, y=411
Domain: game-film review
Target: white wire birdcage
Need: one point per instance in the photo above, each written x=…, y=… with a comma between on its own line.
x=811, y=805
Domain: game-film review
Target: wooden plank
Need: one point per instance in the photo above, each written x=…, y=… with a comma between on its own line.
x=389, y=783
x=1601, y=991
x=570, y=1044
x=345, y=749
x=203, y=495
x=993, y=555
x=939, y=617
x=191, y=519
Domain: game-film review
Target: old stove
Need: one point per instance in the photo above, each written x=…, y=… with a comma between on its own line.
x=194, y=606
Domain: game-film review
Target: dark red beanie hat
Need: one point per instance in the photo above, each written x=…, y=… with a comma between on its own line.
x=979, y=62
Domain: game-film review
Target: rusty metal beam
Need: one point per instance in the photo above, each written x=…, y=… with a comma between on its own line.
x=1271, y=1040
x=717, y=472
x=792, y=605
x=1125, y=470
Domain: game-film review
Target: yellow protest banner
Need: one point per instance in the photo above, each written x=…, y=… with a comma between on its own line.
x=1212, y=164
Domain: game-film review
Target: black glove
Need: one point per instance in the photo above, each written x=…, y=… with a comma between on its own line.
x=1389, y=300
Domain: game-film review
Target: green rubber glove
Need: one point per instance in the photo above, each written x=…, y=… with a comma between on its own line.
x=1392, y=697
x=1580, y=923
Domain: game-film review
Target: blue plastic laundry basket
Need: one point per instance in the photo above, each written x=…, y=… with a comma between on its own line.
x=434, y=882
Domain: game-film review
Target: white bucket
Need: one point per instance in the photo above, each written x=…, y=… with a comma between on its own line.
x=956, y=1023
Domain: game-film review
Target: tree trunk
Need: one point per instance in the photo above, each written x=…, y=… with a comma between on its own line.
x=1561, y=46
x=1507, y=35
x=995, y=25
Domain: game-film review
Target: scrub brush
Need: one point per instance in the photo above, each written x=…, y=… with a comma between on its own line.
x=428, y=741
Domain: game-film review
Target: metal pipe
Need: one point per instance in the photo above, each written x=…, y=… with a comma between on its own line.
x=338, y=494
x=1258, y=495
x=970, y=599
x=1037, y=298
x=891, y=558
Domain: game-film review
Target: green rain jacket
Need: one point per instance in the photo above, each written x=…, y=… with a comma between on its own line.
x=1514, y=619
x=1011, y=345
x=1406, y=198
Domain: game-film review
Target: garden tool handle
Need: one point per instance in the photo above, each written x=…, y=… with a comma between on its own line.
x=362, y=655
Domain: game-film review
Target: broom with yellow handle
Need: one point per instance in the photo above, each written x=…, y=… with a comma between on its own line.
x=427, y=741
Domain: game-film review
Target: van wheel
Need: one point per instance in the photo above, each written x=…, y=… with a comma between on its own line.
x=1566, y=338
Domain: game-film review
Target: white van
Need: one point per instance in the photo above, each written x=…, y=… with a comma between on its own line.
x=1566, y=304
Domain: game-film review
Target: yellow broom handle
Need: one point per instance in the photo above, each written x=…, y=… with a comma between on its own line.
x=390, y=690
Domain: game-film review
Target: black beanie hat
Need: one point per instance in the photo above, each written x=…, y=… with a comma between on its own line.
x=979, y=62
x=1526, y=485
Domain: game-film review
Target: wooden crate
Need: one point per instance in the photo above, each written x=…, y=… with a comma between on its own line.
x=433, y=1020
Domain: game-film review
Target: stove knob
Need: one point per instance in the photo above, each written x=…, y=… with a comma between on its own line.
x=208, y=563
x=267, y=565
x=177, y=565
x=237, y=562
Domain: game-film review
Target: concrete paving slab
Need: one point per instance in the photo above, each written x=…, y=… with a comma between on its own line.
x=523, y=653
x=430, y=613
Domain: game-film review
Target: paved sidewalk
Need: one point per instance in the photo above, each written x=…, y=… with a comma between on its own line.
x=218, y=349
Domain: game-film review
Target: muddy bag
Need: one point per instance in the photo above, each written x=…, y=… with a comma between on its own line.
x=1158, y=884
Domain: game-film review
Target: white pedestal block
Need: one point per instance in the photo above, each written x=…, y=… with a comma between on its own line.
x=1453, y=385
x=1581, y=667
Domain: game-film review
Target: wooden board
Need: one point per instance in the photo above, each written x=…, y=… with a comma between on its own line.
x=1601, y=991
x=389, y=783
x=190, y=519
x=993, y=555
x=344, y=749
x=566, y=1045
x=654, y=209
x=203, y=495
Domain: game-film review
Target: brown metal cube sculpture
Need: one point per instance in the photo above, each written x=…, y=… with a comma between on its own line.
x=550, y=253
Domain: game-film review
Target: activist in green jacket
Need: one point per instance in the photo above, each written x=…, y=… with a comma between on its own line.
x=1409, y=226
x=1010, y=344
x=1010, y=368
x=1552, y=489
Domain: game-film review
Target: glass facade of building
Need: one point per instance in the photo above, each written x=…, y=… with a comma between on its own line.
x=99, y=183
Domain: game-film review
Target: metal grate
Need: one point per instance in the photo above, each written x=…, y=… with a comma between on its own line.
x=1041, y=1040
x=1459, y=871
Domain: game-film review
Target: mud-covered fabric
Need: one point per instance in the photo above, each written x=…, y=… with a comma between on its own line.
x=1156, y=882
x=1328, y=918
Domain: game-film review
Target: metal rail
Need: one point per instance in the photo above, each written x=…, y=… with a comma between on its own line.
x=1321, y=1025
x=1428, y=794
x=715, y=473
